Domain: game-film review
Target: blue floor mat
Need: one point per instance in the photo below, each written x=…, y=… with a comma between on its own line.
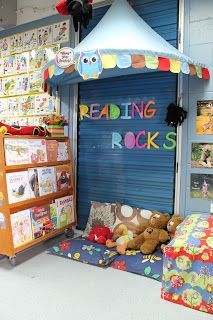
x=99, y=255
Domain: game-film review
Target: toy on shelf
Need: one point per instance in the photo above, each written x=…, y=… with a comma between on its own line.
x=22, y=130
x=55, y=125
x=100, y=234
x=120, y=239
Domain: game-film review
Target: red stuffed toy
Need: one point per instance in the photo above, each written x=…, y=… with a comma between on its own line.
x=100, y=234
x=23, y=130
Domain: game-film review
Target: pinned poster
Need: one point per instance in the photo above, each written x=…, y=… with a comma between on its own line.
x=36, y=82
x=61, y=31
x=90, y=65
x=5, y=47
x=13, y=106
x=22, y=62
x=16, y=43
x=45, y=36
x=30, y=40
x=3, y=107
x=9, y=65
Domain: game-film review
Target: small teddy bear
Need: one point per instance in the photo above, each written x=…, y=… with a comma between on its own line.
x=152, y=238
x=172, y=225
x=157, y=220
x=120, y=239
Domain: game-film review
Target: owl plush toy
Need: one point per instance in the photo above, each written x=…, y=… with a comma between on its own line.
x=90, y=65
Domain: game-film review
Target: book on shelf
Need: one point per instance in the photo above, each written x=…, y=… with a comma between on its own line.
x=16, y=151
x=46, y=180
x=62, y=151
x=21, y=228
x=63, y=177
x=41, y=221
x=33, y=182
x=37, y=150
x=52, y=150
x=53, y=215
x=18, y=188
x=65, y=212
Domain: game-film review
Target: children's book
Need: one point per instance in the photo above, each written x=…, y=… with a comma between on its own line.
x=33, y=182
x=46, y=180
x=37, y=150
x=21, y=227
x=52, y=150
x=41, y=221
x=62, y=151
x=16, y=151
x=63, y=177
x=65, y=212
x=53, y=215
x=18, y=186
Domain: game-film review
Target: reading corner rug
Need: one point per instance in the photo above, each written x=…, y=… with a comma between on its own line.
x=92, y=253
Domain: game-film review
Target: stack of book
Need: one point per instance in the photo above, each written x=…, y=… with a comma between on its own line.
x=36, y=222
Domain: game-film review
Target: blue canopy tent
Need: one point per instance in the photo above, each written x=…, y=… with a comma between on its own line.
x=122, y=43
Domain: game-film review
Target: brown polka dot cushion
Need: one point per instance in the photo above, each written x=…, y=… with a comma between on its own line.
x=131, y=217
x=101, y=214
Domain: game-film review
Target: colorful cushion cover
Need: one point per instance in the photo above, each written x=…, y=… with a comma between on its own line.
x=85, y=251
x=146, y=265
x=131, y=217
x=188, y=264
x=101, y=214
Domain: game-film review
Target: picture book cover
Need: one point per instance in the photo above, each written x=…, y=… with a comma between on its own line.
x=62, y=151
x=37, y=150
x=5, y=46
x=41, y=221
x=53, y=215
x=46, y=180
x=18, y=186
x=63, y=177
x=65, y=212
x=16, y=151
x=22, y=84
x=21, y=227
x=33, y=182
x=52, y=150
x=9, y=86
x=204, y=119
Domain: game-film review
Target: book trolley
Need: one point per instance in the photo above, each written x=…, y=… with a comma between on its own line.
x=7, y=247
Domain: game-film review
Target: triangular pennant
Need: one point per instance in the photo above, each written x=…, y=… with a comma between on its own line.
x=51, y=70
x=185, y=67
x=205, y=73
x=193, y=71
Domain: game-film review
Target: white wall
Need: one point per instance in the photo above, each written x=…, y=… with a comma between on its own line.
x=7, y=14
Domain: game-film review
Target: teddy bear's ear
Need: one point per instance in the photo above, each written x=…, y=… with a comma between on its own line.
x=163, y=236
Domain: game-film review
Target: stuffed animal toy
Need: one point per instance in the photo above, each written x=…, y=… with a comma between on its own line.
x=151, y=239
x=157, y=220
x=80, y=10
x=172, y=225
x=120, y=239
x=100, y=234
x=175, y=115
x=23, y=130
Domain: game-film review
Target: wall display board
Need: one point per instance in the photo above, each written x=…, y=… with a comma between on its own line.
x=22, y=55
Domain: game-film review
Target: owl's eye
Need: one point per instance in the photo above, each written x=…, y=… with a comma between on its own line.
x=94, y=59
x=85, y=60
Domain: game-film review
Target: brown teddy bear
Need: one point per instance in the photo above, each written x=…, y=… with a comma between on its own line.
x=172, y=225
x=152, y=237
x=157, y=220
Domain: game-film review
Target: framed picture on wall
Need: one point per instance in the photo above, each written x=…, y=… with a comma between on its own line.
x=201, y=186
x=204, y=119
x=202, y=155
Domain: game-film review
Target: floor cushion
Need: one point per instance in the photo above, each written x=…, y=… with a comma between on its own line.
x=101, y=214
x=146, y=265
x=82, y=250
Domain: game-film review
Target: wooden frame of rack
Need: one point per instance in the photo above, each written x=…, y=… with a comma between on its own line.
x=6, y=238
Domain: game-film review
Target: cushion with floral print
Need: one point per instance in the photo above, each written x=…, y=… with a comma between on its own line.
x=146, y=265
x=82, y=250
x=101, y=214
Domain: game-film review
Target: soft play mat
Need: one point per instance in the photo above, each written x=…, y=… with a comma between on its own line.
x=99, y=255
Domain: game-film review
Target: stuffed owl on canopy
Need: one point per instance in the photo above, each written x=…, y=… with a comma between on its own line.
x=80, y=10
